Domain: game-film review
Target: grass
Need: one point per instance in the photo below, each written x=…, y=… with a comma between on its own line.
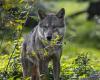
x=72, y=50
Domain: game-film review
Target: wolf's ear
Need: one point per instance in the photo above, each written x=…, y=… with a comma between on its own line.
x=41, y=14
x=61, y=13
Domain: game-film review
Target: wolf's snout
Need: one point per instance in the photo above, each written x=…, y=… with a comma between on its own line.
x=49, y=38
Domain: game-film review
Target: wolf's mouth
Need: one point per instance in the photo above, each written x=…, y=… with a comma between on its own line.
x=52, y=42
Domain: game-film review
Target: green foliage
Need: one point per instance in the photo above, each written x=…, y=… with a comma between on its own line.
x=77, y=69
x=12, y=69
x=81, y=36
x=82, y=66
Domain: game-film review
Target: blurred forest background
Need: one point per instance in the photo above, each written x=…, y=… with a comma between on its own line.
x=81, y=48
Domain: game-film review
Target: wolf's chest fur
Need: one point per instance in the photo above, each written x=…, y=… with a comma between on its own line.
x=40, y=48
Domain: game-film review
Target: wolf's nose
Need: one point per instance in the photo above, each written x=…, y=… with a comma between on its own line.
x=49, y=38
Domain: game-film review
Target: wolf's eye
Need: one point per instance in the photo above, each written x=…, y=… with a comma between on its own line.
x=45, y=27
x=54, y=26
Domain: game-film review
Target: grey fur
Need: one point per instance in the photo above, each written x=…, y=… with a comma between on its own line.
x=33, y=58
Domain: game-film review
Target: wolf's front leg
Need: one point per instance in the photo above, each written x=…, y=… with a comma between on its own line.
x=24, y=62
x=56, y=68
x=35, y=73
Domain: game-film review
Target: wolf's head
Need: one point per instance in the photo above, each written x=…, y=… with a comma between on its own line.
x=51, y=25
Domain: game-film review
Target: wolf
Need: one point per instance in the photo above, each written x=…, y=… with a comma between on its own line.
x=43, y=44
